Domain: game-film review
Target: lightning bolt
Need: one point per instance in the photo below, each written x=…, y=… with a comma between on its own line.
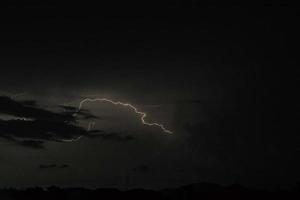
x=91, y=126
x=142, y=115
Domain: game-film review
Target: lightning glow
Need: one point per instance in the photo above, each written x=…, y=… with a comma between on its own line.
x=91, y=126
x=72, y=139
x=142, y=115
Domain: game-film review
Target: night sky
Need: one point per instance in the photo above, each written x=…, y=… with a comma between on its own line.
x=218, y=77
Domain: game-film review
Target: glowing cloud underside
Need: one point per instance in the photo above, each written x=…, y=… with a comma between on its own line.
x=141, y=114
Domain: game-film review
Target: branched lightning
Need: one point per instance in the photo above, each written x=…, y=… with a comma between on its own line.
x=142, y=115
x=92, y=124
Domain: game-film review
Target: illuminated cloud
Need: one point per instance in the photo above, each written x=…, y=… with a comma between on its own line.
x=28, y=125
x=142, y=115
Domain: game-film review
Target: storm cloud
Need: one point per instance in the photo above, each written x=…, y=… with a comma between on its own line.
x=53, y=166
x=28, y=125
x=114, y=136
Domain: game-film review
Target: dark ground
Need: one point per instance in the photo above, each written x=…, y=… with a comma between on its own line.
x=192, y=191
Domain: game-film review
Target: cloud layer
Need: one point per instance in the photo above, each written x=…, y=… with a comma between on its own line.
x=31, y=126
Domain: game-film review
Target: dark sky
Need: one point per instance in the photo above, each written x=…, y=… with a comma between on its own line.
x=219, y=77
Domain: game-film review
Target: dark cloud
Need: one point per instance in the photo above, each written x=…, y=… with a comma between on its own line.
x=39, y=130
x=41, y=124
x=32, y=126
x=29, y=109
x=63, y=166
x=29, y=103
x=68, y=108
x=49, y=166
x=87, y=115
x=142, y=169
x=120, y=137
x=53, y=166
x=83, y=113
x=35, y=144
